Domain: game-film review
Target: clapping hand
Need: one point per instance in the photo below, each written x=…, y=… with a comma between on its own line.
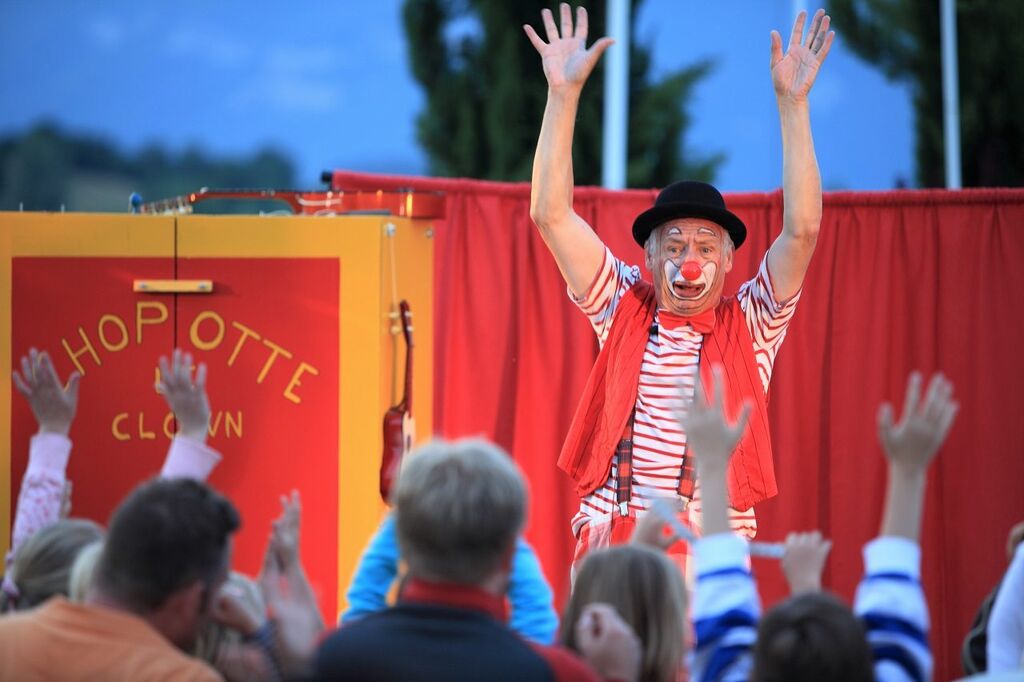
x=804, y=560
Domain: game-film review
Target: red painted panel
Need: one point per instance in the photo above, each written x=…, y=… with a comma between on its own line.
x=269, y=334
x=55, y=299
x=275, y=422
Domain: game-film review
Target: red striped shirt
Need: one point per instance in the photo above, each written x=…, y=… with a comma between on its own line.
x=671, y=358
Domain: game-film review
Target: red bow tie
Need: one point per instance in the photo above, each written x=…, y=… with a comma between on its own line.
x=702, y=323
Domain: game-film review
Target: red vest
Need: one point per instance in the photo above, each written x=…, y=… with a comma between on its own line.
x=610, y=394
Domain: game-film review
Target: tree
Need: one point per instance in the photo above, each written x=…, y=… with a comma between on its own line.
x=45, y=169
x=485, y=97
x=903, y=38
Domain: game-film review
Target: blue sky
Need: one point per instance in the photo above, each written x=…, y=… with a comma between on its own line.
x=328, y=84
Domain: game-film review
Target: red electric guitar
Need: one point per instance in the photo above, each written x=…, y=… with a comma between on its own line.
x=399, y=426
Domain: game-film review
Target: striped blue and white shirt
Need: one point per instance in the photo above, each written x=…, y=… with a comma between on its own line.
x=889, y=601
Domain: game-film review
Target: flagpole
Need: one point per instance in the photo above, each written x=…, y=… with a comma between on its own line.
x=616, y=97
x=950, y=93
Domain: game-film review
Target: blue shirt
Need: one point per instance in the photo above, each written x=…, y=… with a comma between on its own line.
x=533, y=614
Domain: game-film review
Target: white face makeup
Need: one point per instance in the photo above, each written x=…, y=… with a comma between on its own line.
x=695, y=248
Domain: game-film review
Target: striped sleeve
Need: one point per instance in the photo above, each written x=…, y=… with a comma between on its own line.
x=601, y=299
x=767, y=318
x=726, y=610
x=891, y=604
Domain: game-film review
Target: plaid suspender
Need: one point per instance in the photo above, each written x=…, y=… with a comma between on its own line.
x=624, y=464
x=624, y=467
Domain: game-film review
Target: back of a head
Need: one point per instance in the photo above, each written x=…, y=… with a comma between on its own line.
x=646, y=589
x=41, y=567
x=458, y=509
x=83, y=570
x=812, y=636
x=167, y=534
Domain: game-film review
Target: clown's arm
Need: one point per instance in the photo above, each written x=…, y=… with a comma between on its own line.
x=793, y=75
x=567, y=64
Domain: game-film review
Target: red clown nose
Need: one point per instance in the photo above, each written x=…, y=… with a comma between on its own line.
x=691, y=270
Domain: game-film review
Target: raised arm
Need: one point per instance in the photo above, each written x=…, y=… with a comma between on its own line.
x=45, y=488
x=793, y=74
x=713, y=441
x=567, y=64
x=726, y=606
x=188, y=456
x=909, y=447
x=891, y=590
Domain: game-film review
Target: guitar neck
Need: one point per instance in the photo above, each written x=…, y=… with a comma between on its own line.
x=406, y=316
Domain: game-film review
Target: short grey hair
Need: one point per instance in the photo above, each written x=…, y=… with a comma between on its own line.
x=654, y=239
x=459, y=507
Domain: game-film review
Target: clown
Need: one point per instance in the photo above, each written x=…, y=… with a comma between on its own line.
x=624, y=446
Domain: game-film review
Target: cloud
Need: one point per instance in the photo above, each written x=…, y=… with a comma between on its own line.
x=218, y=49
x=288, y=94
x=302, y=58
x=293, y=79
x=105, y=32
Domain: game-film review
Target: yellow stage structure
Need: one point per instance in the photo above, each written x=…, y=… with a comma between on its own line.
x=294, y=317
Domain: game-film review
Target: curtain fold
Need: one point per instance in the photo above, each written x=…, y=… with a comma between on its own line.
x=926, y=280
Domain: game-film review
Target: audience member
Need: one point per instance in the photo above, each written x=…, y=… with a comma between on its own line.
x=459, y=508
x=646, y=589
x=1005, y=647
x=82, y=571
x=532, y=612
x=165, y=556
x=973, y=654
x=45, y=497
x=812, y=636
x=45, y=489
x=41, y=566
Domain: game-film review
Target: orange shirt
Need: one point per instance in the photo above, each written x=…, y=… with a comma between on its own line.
x=76, y=642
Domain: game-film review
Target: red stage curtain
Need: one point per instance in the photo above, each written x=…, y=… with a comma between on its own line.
x=900, y=281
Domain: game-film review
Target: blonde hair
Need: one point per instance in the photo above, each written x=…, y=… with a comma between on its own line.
x=458, y=509
x=646, y=589
x=82, y=571
x=42, y=565
x=214, y=636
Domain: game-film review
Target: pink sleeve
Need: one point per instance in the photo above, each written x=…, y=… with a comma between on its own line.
x=188, y=458
x=42, y=489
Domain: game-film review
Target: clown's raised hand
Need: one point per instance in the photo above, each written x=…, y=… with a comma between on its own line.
x=793, y=73
x=566, y=59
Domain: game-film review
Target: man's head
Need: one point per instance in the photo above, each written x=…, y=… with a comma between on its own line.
x=459, y=507
x=166, y=553
x=812, y=636
x=688, y=258
x=689, y=238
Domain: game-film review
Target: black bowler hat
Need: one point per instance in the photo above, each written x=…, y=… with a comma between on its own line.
x=688, y=199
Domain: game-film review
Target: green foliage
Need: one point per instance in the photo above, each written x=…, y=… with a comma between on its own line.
x=46, y=168
x=485, y=96
x=903, y=39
